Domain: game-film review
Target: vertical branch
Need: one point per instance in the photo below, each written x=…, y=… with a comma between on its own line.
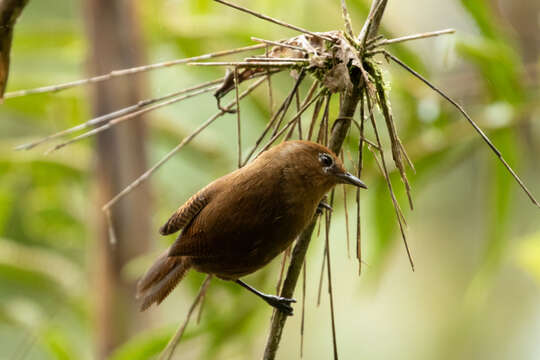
x=339, y=132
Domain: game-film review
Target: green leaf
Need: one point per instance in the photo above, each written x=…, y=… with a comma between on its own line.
x=144, y=346
x=483, y=16
x=527, y=255
x=499, y=64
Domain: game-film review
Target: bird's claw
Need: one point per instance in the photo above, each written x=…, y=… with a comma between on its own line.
x=322, y=205
x=281, y=303
x=225, y=110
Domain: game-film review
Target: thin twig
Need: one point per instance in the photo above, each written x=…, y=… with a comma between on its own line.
x=371, y=26
x=107, y=117
x=330, y=290
x=470, y=120
x=168, y=352
x=201, y=306
x=271, y=59
x=279, y=44
x=275, y=21
x=370, y=93
x=346, y=18
x=250, y=63
x=346, y=221
x=282, y=108
x=123, y=72
x=392, y=133
x=286, y=254
x=373, y=40
x=303, y=319
x=291, y=122
x=288, y=101
x=384, y=170
x=238, y=127
x=186, y=140
x=270, y=91
x=324, y=119
x=406, y=155
x=299, y=107
x=364, y=139
x=273, y=119
x=129, y=116
x=414, y=37
x=110, y=227
x=359, y=174
x=321, y=276
x=293, y=272
x=314, y=117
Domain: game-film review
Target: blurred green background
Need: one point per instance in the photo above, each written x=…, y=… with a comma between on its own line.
x=474, y=235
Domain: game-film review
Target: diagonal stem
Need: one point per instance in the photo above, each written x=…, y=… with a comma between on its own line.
x=275, y=21
x=171, y=153
x=130, y=71
x=168, y=352
x=471, y=122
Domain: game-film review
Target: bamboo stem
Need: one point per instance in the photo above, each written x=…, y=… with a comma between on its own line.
x=339, y=132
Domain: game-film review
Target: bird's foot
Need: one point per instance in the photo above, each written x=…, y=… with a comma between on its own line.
x=225, y=110
x=280, y=303
x=323, y=205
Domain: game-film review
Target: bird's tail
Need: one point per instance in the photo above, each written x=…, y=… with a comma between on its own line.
x=161, y=279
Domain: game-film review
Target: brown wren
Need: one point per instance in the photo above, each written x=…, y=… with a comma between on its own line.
x=241, y=221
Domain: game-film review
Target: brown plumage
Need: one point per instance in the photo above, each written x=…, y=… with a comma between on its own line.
x=241, y=221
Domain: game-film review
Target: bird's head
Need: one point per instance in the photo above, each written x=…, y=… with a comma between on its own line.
x=313, y=165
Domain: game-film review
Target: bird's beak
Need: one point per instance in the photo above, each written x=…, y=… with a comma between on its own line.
x=348, y=178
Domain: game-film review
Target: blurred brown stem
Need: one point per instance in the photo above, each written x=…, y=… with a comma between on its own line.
x=115, y=43
x=339, y=132
x=9, y=12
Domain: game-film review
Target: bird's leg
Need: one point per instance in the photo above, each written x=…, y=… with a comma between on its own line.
x=280, y=303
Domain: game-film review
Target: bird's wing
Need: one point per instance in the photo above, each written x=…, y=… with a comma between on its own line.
x=185, y=213
x=219, y=230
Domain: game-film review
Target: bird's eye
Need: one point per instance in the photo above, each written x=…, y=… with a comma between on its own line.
x=326, y=160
